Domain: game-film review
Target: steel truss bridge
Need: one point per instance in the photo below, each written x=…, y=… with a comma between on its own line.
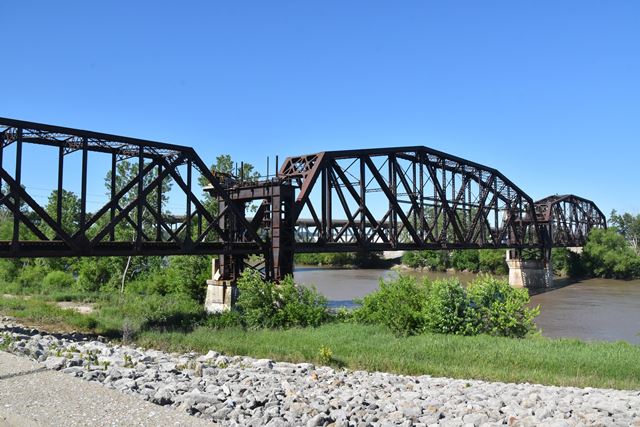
x=405, y=198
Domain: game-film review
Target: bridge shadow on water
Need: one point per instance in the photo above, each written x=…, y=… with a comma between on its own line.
x=558, y=283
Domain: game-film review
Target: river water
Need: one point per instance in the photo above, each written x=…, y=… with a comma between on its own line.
x=594, y=309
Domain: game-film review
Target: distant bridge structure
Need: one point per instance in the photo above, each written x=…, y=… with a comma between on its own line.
x=405, y=198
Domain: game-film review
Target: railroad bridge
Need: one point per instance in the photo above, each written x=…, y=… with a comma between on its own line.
x=400, y=198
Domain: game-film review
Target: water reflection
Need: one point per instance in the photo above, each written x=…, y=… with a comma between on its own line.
x=595, y=309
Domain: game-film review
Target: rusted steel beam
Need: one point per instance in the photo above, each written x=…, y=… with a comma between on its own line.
x=568, y=219
x=387, y=198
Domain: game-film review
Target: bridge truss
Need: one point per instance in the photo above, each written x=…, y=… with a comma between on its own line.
x=134, y=220
x=358, y=200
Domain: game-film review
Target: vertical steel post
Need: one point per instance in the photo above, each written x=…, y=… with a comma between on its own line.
x=327, y=225
x=363, y=205
x=159, y=207
x=470, y=213
x=434, y=177
x=496, y=212
x=281, y=252
x=60, y=178
x=423, y=232
x=1, y=158
x=139, y=201
x=445, y=217
x=83, y=190
x=188, y=237
x=16, y=191
x=414, y=194
x=394, y=191
x=112, y=214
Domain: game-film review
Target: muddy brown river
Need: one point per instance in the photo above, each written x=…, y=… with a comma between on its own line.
x=594, y=309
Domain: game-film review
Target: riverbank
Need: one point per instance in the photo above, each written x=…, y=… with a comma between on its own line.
x=236, y=390
x=560, y=362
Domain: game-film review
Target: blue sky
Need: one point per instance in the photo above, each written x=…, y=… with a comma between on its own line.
x=546, y=91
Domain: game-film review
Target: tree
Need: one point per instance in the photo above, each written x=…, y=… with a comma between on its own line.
x=629, y=227
x=125, y=173
x=607, y=254
x=466, y=260
x=122, y=267
x=70, y=220
x=493, y=261
x=224, y=167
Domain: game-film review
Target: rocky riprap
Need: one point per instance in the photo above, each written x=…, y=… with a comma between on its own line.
x=249, y=392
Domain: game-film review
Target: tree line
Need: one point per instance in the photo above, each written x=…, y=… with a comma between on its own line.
x=149, y=274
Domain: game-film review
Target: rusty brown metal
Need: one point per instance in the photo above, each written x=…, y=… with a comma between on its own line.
x=404, y=198
x=568, y=219
x=432, y=200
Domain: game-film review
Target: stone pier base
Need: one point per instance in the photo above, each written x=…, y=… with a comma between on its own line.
x=221, y=294
x=534, y=275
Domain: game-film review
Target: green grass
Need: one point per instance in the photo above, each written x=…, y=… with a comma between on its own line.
x=373, y=348
x=44, y=314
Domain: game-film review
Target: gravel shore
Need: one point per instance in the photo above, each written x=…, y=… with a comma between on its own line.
x=241, y=391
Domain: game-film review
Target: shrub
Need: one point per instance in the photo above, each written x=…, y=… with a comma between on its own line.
x=340, y=259
x=189, y=274
x=607, y=254
x=466, y=260
x=397, y=304
x=325, y=355
x=448, y=309
x=264, y=304
x=501, y=309
x=224, y=319
x=493, y=261
x=567, y=263
x=57, y=281
x=444, y=306
x=31, y=276
x=434, y=260
x=93, y=273
x=9, y=269
x=157, y=282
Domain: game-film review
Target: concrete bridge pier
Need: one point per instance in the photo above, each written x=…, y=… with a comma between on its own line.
x=530, y=274
x=221, y=294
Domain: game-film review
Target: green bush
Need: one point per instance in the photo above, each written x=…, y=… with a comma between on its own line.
x=501, y=309
x=607, y=254
x=567, y=263
x=398, y=304
x=340, y=259
x=224, y=319
x=188, y=275
x=433, y=260
x=93, y=274
x=489, y=306
x=9, y=269
x=31, y=276
x=157, y=282
x=493, y=261
x=57, y=281
x=448, y=309
x=466, y=260
x=264, y=304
